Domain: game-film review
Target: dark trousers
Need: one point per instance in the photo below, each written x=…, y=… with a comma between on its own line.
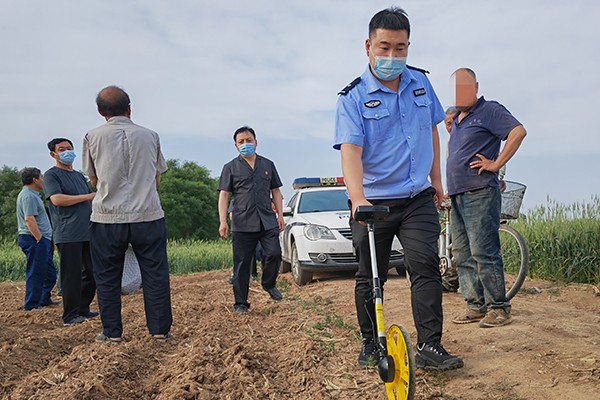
x=416, y=224
x=40, y=273
x=108, y=243
x=258, y=256
x=77, y=280
x=244, y=249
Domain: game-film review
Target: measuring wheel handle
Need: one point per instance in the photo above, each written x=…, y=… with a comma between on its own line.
x=395, y=363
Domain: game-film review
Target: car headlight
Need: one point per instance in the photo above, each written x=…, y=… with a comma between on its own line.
x=318, y=232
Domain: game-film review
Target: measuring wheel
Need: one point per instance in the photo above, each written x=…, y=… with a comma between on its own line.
x=399, y=348
x=396, y=359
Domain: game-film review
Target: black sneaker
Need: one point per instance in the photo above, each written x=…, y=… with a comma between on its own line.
x=74, y=321
x=368, y=354
x=90, y=315
x=274, y=293
x=433, y=356
x=241, y=309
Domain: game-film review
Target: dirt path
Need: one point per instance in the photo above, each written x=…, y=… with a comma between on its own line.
x=304, y=347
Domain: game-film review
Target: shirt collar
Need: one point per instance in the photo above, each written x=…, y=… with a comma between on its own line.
x=32, y=190
x=240, y=158
x=477, y=105
x=373, y=84
x=118, y=119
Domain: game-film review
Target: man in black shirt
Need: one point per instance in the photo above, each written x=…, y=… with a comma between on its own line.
x=254, y=182
x=70, y=199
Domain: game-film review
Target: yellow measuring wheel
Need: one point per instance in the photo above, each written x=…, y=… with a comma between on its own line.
x=395, y=360
x=399, y=348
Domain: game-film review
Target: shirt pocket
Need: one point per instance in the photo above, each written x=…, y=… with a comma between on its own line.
x=378, y=124
x=423, y=111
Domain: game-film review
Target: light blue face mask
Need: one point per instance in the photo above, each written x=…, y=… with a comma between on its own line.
x=389, y=68
x=67, y=157
x=247, y=149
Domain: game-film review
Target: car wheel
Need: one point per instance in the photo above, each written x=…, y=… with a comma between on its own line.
x=301, y=277
x=285, y=267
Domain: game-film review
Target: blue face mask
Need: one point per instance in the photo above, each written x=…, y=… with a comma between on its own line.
x=67, y=157
x=389, y=68
x=247, y=149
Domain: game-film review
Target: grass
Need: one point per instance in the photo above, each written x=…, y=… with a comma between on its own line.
x=189, y=256
x=322, y=331
x=562, y=240
x=185, y=257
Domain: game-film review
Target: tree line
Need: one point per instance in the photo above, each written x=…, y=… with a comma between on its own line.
x=187, y=193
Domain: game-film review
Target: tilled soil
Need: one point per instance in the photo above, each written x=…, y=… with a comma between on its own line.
x=304, y=347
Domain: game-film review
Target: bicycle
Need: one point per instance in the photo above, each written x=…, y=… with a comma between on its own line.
x=513, y=247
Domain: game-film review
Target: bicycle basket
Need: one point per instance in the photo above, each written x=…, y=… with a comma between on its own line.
x=511, y=200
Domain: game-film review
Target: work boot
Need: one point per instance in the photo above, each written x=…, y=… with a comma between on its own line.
x=495, y=317
x=469, y=316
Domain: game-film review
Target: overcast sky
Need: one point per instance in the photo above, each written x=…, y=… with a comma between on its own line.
x=197, y=70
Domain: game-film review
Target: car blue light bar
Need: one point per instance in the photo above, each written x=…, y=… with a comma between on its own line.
x=300, y=183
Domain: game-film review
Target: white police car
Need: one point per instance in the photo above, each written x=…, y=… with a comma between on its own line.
x=317, y=233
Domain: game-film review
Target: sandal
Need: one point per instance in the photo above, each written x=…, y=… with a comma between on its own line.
x=162, y=338
x=103, y=338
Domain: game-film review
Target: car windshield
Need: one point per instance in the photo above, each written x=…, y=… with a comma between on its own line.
x=324, y=200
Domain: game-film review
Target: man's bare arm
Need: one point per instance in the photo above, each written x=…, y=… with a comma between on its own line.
x=352, y=169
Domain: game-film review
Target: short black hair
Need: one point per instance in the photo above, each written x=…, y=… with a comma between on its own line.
x=393, y=18
x=244, y=128
x=29, y=174
x=112, y=101
x=52, y=144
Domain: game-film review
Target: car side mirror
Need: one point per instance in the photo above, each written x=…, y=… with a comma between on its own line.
x=287, y=212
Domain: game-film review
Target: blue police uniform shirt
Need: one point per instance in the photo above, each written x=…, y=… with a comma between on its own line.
x=394, y=131
x=480, y=132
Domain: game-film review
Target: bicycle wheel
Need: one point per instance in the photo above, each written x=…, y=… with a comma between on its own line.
x=515, y=257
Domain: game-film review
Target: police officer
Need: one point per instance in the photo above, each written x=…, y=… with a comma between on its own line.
x=386, y=132
x=254, y=182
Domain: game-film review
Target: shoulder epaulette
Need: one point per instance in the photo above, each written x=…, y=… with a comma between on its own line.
x=418, y=69
x=349, y=87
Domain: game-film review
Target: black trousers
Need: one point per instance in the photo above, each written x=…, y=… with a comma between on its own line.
x=416, y=224
x=77, y=278
x=109, y=242
x=244, y=249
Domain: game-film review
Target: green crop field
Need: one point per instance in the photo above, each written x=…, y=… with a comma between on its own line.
x=563, y=243
x=185, y=257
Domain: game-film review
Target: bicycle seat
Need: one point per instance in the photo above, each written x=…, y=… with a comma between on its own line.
x=373, y=213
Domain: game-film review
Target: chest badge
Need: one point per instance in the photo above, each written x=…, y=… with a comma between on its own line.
x=419, y=92
x=372, y=103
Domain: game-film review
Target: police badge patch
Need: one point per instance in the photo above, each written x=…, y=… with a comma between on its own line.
x=372, y=103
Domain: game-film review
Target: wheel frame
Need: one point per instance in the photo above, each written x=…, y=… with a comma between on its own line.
x=402, y=352
x=524, y=265
x=301, y=276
